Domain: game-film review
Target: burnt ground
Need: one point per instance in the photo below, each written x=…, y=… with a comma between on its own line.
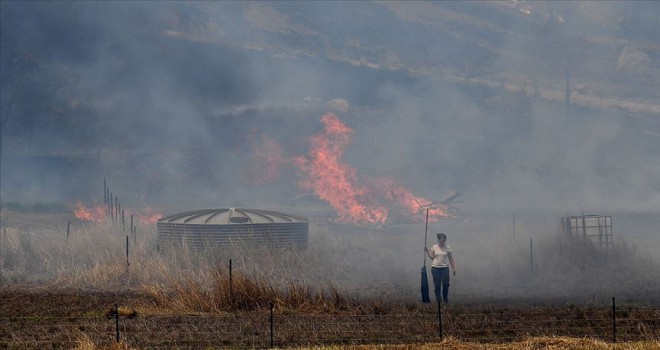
x=41, y=319
x=27, y=303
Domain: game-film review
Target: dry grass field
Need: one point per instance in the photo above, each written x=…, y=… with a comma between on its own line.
x=352, y=288
x=523, y=111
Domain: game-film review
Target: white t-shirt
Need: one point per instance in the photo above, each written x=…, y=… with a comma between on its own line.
x=441, y=255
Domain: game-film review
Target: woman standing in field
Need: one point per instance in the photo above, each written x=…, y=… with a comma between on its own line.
x=442, y=258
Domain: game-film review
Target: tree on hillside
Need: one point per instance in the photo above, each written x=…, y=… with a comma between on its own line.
x=559, y=47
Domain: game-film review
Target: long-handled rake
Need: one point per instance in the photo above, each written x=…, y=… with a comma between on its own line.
x=425, y=279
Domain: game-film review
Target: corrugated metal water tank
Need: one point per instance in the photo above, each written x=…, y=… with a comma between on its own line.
x=222, y=227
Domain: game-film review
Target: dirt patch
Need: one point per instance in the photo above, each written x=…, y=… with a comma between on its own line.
x=37, y=319
x=25, y=303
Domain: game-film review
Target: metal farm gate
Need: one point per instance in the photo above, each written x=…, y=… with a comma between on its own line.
x=596, y=229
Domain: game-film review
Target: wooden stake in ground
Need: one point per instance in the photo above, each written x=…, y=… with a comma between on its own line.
x=127, y=263
x=5, y=234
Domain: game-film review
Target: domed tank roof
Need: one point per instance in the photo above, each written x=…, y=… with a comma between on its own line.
x=232, y=216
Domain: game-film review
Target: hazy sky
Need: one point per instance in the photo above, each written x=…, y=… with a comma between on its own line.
x=185, y=100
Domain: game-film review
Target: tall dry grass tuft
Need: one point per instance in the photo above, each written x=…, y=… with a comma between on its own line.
x=341, y=267
x=84, y=342
x=245, y=293
x=242, y=292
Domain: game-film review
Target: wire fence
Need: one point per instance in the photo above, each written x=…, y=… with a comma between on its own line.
x=272, y=329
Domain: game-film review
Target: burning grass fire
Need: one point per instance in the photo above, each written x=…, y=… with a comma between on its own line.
x=94, y=214
x=98, y=214
x=358, y=201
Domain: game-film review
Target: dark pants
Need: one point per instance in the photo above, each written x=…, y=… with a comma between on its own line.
x=441, y=283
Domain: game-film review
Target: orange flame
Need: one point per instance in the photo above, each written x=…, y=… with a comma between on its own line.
x=337, y=183
x=94, y=214
x=147, y=216
x=98, y=214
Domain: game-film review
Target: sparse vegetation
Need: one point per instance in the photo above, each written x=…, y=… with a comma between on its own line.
x=89, y=271
x=38, y=207
x=342, y=266
x=518, y=105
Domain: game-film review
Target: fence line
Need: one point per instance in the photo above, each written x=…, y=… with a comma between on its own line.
x=265, y=329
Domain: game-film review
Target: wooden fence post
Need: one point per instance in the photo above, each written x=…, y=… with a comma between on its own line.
x=613, y=320
x=5, y=234
x=117, y=322
x=127, y=263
